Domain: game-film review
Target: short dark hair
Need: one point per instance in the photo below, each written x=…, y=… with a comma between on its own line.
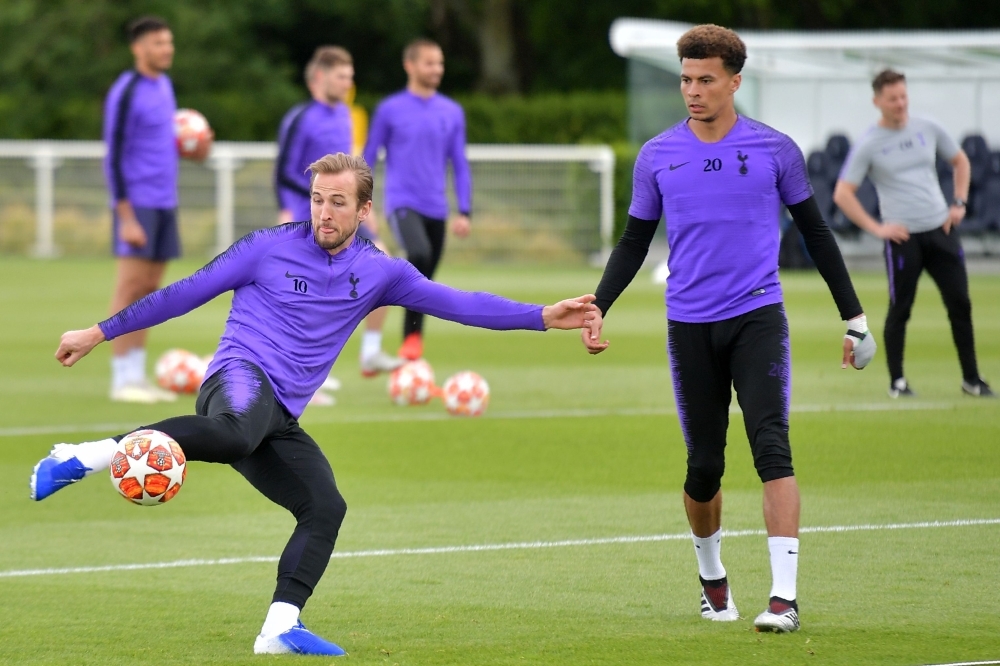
x=143, y=25
x=886, y=77
x=413, y=48
x=327, y=58
x=712, y=41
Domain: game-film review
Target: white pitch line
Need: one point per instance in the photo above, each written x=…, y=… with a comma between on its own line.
x=410, y=416
x=487, y=547
x=967, y=663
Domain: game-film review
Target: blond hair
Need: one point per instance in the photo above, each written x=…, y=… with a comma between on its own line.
x=326, y=58
x=341, y=162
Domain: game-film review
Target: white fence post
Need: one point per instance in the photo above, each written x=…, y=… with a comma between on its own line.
x=605, y=167
x=44, y=163
x=224, y=162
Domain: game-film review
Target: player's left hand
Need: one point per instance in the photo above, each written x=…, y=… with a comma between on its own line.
x=74, y=345
x=955, y=216
x=461, y=226
x=569, y=314
x=859, y=343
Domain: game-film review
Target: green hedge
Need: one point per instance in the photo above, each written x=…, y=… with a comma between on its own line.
x=575, y=117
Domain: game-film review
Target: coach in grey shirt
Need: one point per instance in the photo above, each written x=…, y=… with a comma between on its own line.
x=898, y=154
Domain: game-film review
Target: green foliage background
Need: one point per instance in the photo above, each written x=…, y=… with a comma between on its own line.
x=240, y=61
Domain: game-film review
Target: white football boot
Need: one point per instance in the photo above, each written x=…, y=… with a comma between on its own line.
x=723, y=608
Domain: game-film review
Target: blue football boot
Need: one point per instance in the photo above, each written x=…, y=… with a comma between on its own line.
x=55, y=472
x=297, y=640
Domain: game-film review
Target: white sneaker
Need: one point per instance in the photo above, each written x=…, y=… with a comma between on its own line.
x=380, y=362
x=718, y=611
x=331, y=384
x=779, y=618
x=141, y=393
x=321, y=399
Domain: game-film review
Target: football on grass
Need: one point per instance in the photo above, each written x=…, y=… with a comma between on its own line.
x=194, y=136
x=148, y=467
x=180, y=371
x=466, y=394
x=412, y=383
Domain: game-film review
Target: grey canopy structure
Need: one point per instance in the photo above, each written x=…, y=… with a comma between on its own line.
x=811, y=85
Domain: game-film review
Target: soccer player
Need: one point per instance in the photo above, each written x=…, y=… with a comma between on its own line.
x=299, y=291
x=309, y=131
x=141, y=173
x=720, y=179
x=421, y=131
x=898, y=154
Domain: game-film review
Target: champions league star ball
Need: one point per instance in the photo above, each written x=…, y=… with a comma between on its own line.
x=466, y=394
x=148, y=467
x=194, y=136
x=180, y=371
x=412, y=383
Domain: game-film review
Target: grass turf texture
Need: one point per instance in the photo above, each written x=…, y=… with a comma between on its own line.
x=573, y=447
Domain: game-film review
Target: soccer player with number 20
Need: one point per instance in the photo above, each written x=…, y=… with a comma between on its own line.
x=720, y=179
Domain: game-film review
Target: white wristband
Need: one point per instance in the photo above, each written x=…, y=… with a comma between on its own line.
x=859, y=324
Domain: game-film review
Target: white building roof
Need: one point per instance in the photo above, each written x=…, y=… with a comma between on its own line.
x=813, y=84
x=853, y=54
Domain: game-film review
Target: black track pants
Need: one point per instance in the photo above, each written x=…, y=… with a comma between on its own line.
x=423, y=239
x=239, y=422
x=941, y=255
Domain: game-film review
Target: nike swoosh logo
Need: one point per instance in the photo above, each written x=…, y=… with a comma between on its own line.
x=289, y=275
x=674, y=167
x=793, y=552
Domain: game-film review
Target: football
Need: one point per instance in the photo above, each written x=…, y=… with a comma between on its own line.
x=148, y=467
x=194, y=136
x=466, y=394
x=412, y=383
x=180, y=371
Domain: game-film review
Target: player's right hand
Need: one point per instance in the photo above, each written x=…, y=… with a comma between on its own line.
x=74, y=345
x=894, y=232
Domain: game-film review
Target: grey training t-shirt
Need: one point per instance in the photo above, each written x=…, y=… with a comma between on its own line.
x=901, y=165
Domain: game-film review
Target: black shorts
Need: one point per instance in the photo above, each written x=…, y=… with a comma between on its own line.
x=163, y=240
x=751, y=353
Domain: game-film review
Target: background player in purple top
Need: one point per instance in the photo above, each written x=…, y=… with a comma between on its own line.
x=308, y=132
x=720, y=179
x=421, y=130
x=141, y=173
x=299, y=290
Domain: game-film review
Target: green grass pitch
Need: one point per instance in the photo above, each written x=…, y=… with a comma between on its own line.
x=574, y=448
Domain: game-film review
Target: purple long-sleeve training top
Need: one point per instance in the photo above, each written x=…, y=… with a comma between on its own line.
x=141, y=163
x=308, y=132
x=420, y=136
x=295, y=305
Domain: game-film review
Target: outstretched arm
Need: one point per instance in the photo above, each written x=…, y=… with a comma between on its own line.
x=625, y=261
x=412, y=290
x=231, y=269
x=859, y=345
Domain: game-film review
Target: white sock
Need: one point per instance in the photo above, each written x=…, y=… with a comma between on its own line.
x=94, y=455
x=120, y=366
x=137, y=365
x=371, y=343
x=709, y=552
x=784, y=566
x=280, y=618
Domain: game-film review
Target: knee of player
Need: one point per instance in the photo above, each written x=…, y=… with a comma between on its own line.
x=329, y=509
x=774, y=465
x=704, y=479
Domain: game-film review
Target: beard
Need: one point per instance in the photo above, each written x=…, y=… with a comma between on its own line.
x=332, y=242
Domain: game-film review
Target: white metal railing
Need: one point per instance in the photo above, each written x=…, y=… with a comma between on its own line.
x=226, y=158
